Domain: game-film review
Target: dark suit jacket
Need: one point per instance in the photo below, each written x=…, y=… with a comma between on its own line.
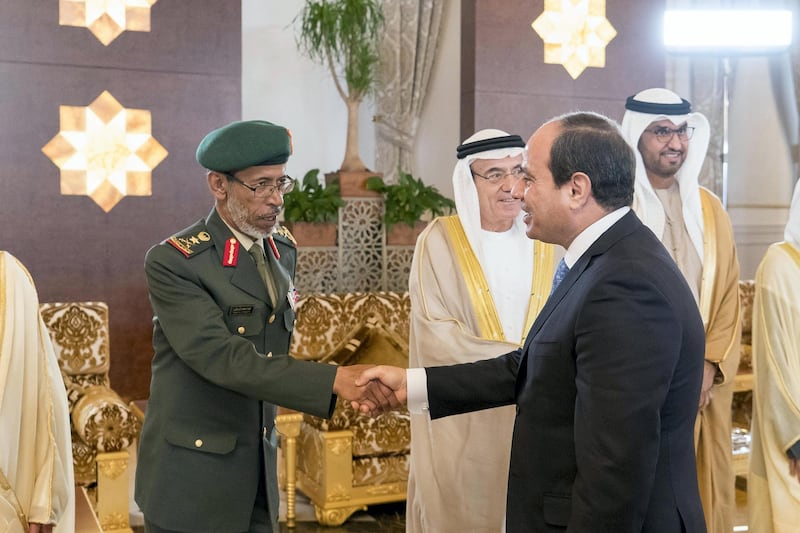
x=213, y=390
x=606, y=387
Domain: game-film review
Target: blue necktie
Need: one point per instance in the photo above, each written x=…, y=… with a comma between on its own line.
x=558, y=277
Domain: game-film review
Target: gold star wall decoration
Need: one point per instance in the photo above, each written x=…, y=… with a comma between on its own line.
x=575, y=33
x=106, y=19
x=105, y=151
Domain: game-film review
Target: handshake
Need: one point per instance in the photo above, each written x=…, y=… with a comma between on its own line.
x=371, y=389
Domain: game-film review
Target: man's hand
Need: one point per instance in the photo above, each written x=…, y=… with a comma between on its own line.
x=391, y=377
x=794, y=468
x=709, y=373
x=40, y=528
x=371, y=397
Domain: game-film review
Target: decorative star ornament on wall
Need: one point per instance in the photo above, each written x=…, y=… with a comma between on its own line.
x=105, y=151
x=106, y=19
x=575, y=33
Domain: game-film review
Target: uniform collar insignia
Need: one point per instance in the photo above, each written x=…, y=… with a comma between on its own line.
x=282, y=231
x=191, y=243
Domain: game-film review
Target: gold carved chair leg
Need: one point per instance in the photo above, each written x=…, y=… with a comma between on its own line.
x=288, y=426
x=112, y=492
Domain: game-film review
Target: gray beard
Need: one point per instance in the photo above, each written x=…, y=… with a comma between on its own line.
x=238, y=213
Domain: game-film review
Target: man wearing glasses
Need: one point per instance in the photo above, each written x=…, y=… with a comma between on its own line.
x=223, y=305
x=477, y=282
x=670, y=144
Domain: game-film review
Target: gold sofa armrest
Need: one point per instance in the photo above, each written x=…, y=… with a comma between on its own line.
x=325, y=475
x=102, y=420
x=137, y=407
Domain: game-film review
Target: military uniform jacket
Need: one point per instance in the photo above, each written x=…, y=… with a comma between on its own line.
x=220, y=367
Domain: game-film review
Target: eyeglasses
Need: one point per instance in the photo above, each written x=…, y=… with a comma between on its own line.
x=283, y=185
x=664, y=135
x=496, y=175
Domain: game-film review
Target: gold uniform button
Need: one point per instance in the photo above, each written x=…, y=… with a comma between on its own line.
x=271, y=319
x=269, y=354
x=241, y=330
x=198, y=443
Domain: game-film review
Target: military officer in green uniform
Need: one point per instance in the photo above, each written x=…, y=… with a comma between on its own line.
x=223, y=304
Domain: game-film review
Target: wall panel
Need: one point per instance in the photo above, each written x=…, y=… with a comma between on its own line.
x=187, y=73
x=516, y=91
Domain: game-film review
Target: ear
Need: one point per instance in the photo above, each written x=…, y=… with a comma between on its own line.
x=579, y=189
x=218, y=185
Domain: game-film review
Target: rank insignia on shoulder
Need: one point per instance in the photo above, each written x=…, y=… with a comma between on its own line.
x=284, y=232
x=191, y=243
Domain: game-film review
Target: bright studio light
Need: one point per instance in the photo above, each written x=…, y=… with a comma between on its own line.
x=727, y=31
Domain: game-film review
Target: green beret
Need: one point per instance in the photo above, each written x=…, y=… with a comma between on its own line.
x=244, y=144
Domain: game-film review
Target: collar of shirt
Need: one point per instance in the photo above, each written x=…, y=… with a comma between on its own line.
x=246, y=240
x=587, y=237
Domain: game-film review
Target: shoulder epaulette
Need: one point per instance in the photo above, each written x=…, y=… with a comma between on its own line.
x=191, y=241
x=282, y=231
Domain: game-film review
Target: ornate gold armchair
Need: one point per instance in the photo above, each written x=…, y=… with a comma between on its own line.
x=352, y=460
x=742, y=406
x=103, y=426
x=744, y=376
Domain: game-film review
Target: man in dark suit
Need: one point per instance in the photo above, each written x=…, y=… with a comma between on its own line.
x=223, y=304
x=607, y=382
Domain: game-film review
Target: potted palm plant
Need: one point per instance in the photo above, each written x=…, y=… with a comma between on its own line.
x=344, y=35
x=311, y=211
x=405, y=204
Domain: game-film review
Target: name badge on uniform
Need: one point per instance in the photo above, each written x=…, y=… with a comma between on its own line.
x=240, y=310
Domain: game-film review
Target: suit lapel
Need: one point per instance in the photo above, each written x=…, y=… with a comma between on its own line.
x=624, y=226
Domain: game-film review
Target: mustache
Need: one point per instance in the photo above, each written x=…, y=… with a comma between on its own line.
x=273, y=211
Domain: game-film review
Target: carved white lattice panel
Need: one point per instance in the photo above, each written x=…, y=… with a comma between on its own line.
x=360, y=223
x=361, y=262
x=398, y=267
x=360, y=245
x=361, y=269
x=317, y=270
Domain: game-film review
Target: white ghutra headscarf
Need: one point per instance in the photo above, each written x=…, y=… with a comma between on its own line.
x=485, y=144
x=643, y=109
